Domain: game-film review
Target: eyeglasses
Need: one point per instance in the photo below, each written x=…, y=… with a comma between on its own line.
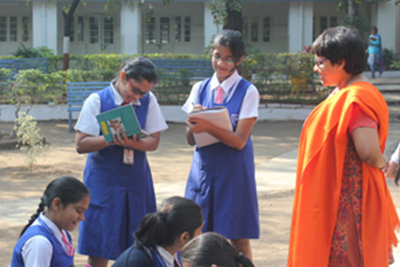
x=319, y=62
x=135, y=90
x=228, y=61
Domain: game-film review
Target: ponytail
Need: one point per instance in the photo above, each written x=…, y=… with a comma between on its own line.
x=34, y=216
x=176, y=216
x=212, y=248
x=68, y=189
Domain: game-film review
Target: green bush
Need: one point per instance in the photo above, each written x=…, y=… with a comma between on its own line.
x=272, y=74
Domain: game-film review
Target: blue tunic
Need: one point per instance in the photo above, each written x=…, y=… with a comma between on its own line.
x=222, y=179
x=59, y=258
x=121, y=195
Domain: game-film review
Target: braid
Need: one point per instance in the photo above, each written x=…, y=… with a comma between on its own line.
x=35, y=215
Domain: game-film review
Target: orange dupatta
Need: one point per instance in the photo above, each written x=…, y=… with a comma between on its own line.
x=321, y=156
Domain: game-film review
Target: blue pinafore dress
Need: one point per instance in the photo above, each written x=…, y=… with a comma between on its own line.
x=60, y=258
x=222, y=179
x=121, y=194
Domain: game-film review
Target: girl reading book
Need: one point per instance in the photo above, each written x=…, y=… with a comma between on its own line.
x=117, y=173
x=221, y=178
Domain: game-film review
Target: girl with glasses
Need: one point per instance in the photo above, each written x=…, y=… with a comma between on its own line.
x=222, y=179
x=118, y=174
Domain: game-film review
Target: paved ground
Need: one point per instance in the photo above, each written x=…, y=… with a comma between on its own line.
x=275, y=153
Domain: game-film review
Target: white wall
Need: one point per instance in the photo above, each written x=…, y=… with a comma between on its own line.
x=131, y=30
x=300, y=25
x=44, y=25
x=388, y=24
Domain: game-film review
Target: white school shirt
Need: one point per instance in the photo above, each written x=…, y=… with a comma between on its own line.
x=167, y=257
x=87, y=122
x=395, y=155
x=37, y=250
x=250, y=102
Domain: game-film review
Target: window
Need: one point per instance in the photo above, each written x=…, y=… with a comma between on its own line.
x=178, y=29
x=151, y=31
x=93, y=30
x=13, y=29
x=80, y=29
x=3, y=29
x=334, y=22
x=323, y=22
x=187, y=29
x=254, y=29
x=25, y=29
x=108, y=30
x=164, y=30
x=266, y=29
x=245, y=28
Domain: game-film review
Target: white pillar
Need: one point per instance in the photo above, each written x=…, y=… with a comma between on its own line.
x=387, y=21
x=131, y=29
x=300, y=25
x=44, y=24
x=210, y=29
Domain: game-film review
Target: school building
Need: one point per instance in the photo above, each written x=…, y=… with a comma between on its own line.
x=184, y=26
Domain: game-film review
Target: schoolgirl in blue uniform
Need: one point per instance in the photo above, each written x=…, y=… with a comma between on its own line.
x=222, y=175
x=118, y=174
x=45, y=241
x=162, y=234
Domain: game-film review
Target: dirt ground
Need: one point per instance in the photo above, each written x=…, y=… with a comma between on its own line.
x=170, y=163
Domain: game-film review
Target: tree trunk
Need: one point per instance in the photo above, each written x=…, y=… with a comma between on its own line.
x=353, y=9
x=234, y=20
x=68, y=18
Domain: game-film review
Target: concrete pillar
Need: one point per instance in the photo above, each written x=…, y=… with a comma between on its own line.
x=387, y=21
x=300, y=25
x=44, y=24
x=210, y=29
x=131, y=29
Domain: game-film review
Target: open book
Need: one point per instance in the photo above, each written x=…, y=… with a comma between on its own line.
x=122, y=118
x=218, y=116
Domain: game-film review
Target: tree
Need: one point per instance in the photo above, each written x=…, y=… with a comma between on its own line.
x=228, y=13
x=68, y=15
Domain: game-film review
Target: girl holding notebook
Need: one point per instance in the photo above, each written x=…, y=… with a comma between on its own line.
x=221, y=179
x=118, y=174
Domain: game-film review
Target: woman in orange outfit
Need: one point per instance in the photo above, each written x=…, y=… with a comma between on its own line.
x=343, y=214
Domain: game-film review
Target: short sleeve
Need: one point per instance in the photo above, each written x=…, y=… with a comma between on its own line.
x=37, y=252
x=360, y=119
x=192, y=100
x=87, y=122
x=155, y=121
x=395, y=155
x=250, y=103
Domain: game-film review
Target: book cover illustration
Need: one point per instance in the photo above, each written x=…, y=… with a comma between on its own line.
x=122, y=118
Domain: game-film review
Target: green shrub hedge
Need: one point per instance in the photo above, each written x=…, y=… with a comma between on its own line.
x=279, y=78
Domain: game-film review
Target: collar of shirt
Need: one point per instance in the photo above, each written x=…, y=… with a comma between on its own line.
x=227, y=84
x=56, y=231
x=166, y=256
x=118, y=98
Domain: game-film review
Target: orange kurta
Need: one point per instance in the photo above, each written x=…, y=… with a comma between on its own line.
x=321, y=156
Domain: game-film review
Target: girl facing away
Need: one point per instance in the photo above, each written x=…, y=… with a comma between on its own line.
x=212, y=250
x=162, y=234
x=222, y=179
x=45, y=240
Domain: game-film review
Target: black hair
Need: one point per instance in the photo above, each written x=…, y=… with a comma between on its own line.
x=375, y=28
x=68, y=189
x=212, y=248
x=140, y=68
x=176, y=216
x=341, y=43
x=233, y=40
